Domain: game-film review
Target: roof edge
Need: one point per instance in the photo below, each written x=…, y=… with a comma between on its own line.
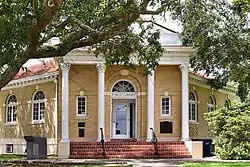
x=31, y=80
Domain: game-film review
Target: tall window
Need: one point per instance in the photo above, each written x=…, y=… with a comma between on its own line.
x=11, y=109
x=38, y=106
x=211, y=104
x=165, y=106
x=227, y=103
x=81, y=106
x=192, y=107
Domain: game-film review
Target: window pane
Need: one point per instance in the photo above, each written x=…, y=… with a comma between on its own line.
x=35, y=111
x=81, y=105
x=14, y=113
x=165, y=106
x=9, y=111
x=39, y=95
x=42, y=108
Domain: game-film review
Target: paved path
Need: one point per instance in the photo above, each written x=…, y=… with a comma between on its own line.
x=153, y=162
x=123, y=162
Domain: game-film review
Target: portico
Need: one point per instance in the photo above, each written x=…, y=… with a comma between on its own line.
x=128, y=102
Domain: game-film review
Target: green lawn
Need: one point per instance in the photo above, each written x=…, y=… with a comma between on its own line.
x=215, y=164
x=11, y=156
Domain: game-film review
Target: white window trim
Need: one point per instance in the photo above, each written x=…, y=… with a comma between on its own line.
x=81, y=115
x=12, y=113
x=196, y=107
x=170, y=106
x=39, y=121
x=209, y=105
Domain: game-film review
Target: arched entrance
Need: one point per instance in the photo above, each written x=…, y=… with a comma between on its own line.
x=123, y=115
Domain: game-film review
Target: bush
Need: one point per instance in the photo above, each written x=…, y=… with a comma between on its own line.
x=231, y=127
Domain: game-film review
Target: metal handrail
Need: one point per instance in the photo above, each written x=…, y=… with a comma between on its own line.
x=102, y=141
x=154, y=140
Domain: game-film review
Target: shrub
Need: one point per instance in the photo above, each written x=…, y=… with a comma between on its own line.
x=231, y=127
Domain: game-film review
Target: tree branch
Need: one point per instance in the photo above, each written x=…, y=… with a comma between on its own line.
x=57, y=29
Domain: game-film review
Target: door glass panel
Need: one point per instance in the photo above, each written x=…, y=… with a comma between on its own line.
x=121, y=119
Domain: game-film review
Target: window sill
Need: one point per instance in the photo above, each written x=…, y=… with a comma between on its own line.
x=194, y=122
x=37, y=122
x=10, y=124
x=166, y=117
x=81, y=117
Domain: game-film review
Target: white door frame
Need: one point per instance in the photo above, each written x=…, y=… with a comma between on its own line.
x=115, y=101
x=127, y=135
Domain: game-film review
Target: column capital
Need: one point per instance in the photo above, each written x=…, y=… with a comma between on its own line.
x=65, y=67
x=183, y=67
x=101, y=67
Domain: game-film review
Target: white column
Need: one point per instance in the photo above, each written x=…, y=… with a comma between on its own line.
x=65, y=67
x=150, y=113
x=185, y=116
x=101, y=103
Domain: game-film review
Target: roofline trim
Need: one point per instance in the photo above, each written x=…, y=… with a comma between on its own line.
x=202, y=82
x=31, y=80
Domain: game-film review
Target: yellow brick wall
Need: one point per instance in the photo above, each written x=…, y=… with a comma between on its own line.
x=200, y=129
x=168, y=81
x=84, y=78
x=81, y=78
x=24, y=124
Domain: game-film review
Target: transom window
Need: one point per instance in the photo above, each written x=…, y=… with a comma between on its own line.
x=211, y=104
x=38, y=106
x=165, y=106
x=123, y=86
x=11, y=109
x=192, y=107
x=81, y=103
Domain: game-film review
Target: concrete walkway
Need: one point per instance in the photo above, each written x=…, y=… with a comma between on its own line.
x=123, y=162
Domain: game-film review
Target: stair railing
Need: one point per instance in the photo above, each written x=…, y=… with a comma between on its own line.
x=102, y=142
x=154, y=140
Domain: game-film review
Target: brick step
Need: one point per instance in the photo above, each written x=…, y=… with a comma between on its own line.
x=127, y=143
x=131, y=149
x=129, y=156
x=128, y=149
x=130, y=153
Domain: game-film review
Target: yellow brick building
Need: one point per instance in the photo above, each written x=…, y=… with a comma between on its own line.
x=71, y=100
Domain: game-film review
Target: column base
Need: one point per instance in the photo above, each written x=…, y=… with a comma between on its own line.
x=64, y=149
x=185, y=139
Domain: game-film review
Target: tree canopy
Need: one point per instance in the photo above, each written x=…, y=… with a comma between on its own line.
x=218, y=30
x=220, y=33
x=26, y=27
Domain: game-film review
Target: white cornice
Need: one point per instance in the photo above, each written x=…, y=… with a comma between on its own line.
x=172, y=55
x=31, y=80
x=202, y=82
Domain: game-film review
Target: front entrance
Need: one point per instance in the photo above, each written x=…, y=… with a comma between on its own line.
x=123, y=117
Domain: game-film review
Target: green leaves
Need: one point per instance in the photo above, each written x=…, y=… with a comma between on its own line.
x=231, y=128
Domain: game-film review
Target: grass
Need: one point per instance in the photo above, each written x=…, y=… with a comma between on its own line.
x=216, y=164
x=11, y=156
